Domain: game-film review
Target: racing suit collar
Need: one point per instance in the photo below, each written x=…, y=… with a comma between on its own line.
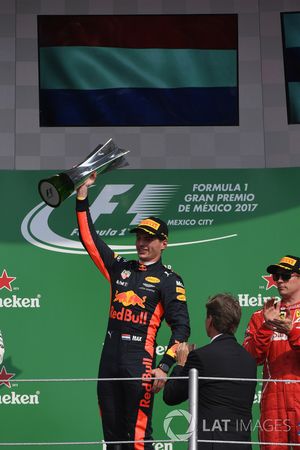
x=288, y=306
x=138, y=265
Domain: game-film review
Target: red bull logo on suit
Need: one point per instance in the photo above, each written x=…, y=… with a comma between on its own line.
x=127, y=315
x=129, y=298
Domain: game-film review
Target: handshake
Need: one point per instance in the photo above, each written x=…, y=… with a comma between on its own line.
x=182, y=351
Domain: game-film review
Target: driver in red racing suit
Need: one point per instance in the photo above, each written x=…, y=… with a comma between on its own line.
x=143, y=293
x=273, y=338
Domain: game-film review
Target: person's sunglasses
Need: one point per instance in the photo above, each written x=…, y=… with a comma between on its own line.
x=284, y=276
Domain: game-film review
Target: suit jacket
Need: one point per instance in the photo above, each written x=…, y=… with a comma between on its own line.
x=224, y=409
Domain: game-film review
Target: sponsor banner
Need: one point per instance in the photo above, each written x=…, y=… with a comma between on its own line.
x=226, y=227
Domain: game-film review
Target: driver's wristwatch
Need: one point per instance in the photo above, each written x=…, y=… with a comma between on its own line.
x=164, y=367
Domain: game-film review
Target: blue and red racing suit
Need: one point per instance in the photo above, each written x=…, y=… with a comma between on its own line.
x=141, y=297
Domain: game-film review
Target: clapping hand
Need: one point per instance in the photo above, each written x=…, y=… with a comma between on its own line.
x=274, y=318
x=283, y=324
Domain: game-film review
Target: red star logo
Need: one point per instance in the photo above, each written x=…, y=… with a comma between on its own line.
x=270, y=281
x=4, y=377
x=5, y=281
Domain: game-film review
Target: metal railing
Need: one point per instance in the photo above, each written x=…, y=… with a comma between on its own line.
x=192, y=440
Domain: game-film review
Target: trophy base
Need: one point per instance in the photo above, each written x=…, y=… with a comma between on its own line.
x=56, y=189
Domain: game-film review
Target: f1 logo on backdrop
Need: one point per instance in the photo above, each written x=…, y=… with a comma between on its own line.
x=152, y=200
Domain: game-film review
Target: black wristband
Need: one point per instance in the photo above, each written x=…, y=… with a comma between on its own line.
x=164, y=367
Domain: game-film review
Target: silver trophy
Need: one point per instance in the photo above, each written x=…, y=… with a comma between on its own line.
x=105, y=157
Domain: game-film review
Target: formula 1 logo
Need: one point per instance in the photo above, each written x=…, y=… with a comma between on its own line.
x=152, y=200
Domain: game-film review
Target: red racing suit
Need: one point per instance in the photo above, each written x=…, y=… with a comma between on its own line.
x=280, y=355
x=141, y=297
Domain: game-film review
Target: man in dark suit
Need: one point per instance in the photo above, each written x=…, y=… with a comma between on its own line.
x=224, y=410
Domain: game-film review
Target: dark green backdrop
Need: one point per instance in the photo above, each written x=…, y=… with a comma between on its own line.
x=230, y=225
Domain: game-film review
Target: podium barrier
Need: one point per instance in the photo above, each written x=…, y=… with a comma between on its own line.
x=193, y=406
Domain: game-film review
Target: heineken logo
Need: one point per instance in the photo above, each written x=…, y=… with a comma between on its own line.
x=12, y=397
x=20, y=399
x=254, y=301
x=12, y=300
x=5, y=377
x=5, y=281
x=20, y=302
x=270, y=281
x=153, y=199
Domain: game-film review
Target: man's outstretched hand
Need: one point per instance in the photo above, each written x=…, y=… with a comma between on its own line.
x=158, y=384
x=182, y=353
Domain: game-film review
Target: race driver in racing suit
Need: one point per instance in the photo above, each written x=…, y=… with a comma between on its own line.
x=143, y=293
x=273, y=338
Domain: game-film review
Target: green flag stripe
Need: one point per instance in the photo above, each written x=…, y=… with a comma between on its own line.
x=291, y=29
x=109, y=68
